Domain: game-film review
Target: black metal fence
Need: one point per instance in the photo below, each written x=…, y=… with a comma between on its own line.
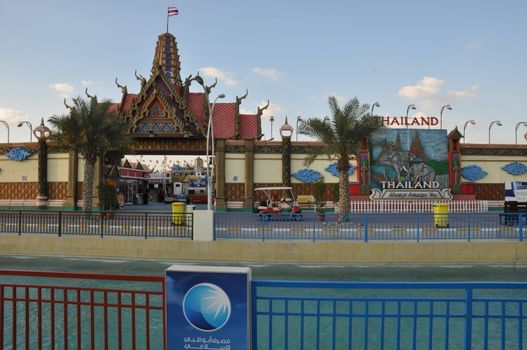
x=129, y=224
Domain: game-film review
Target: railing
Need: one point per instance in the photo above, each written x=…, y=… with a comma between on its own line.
x=340, y=315
x=371, y=226
x=135, y=224
x=61, y=312
x=42, y=310
x=421, y=206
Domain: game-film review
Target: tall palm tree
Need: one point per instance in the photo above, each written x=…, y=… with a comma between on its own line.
x=90, y=128
x=342, y=136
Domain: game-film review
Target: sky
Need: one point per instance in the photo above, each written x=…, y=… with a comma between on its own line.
x=470, y=54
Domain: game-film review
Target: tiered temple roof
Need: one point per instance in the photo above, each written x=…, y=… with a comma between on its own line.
x=165, y=107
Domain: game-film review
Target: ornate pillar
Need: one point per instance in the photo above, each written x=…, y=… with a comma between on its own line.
x=286, y=131
x=97, y=179
x=73, y=173
x=42, y=133
x=249, y=175
x=220, y=175
x=454, y=161
x=363, y=169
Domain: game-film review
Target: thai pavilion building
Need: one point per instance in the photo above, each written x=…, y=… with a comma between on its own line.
x=169, y=115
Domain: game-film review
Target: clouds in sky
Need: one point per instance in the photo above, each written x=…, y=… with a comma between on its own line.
x=225, y=77
x=427, y=93
x=11, y=115
x=64, y=89
x=470, y=92
x=270, y=73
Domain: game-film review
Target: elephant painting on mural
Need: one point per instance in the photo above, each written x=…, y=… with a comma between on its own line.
x=422, y=172
x=399, y=161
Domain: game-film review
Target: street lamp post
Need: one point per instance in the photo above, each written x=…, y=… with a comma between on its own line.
x=449, y=107
x=471, y=122
x=271, y=119
x=298, y=120
x=7, y=126
x=411, y=106
x=30, y=129
x=516, y=130
x=210, y=136
x=376, y=104
x=497, y=122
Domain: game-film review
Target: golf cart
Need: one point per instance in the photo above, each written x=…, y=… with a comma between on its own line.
x=279, y=203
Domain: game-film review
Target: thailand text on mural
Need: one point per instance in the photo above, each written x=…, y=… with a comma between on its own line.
x=405, y=121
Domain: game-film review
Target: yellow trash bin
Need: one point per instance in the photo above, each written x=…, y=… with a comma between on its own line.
x=178, y=213
x=440, y=214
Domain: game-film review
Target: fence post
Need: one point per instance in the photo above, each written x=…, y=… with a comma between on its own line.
x=314, y=227
x=60, y=224
x=520, y=226
x=468, y=227
x=468, y=318
x=19, y=222
x=146, y=225
x=101, y=224
x=418, y=225
x=365, y=227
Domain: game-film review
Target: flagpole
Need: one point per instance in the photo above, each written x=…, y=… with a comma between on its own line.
x=167, y=20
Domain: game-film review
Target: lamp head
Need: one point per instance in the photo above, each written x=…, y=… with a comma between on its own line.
x=472, y=122
x=376, y=104
x=299, y=118
x=271, y=119
x=221, y=96
x=449, y=107
x=20, y=124
x=499, y=123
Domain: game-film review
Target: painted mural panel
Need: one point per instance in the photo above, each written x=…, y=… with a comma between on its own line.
x=409, y=164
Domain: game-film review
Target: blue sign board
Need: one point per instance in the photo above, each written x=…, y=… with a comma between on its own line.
x=208, y=307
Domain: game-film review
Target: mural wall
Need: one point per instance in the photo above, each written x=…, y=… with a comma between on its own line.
x=409, y=164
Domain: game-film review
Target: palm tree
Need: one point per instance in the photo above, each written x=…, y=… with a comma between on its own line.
x=90, y=128
x=341, y=136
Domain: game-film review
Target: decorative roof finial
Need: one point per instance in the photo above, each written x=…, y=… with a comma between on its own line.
x=261, y=109
x=124, y=90
x=140, y=78
x=65, y=104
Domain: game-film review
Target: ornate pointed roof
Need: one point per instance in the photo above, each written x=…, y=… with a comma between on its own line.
x=165, y=107
x=167, y=57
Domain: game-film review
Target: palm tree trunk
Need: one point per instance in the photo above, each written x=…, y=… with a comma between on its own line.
x=87, y=189
x=344, y=193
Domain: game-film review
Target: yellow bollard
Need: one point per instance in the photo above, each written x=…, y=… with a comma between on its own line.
x=178, y=213
x=440, y=214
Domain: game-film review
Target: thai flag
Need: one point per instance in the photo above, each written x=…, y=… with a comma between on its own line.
x=173, y=11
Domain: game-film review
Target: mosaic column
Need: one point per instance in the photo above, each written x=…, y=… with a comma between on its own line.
x=220, y=175
x=249, y=175
x=73, y=173
x=454, y=161
x=42, y=133
x=286, y=131
x=363, y=168
x=286, y=162
x=97, y=179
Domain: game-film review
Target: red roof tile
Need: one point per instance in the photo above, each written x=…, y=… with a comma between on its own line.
x=196, y=104
x=114, y=107
x=248, y=126
x=224, y=120
x=128, y=102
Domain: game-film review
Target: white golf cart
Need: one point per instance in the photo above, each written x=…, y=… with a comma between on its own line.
x=279, y=203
